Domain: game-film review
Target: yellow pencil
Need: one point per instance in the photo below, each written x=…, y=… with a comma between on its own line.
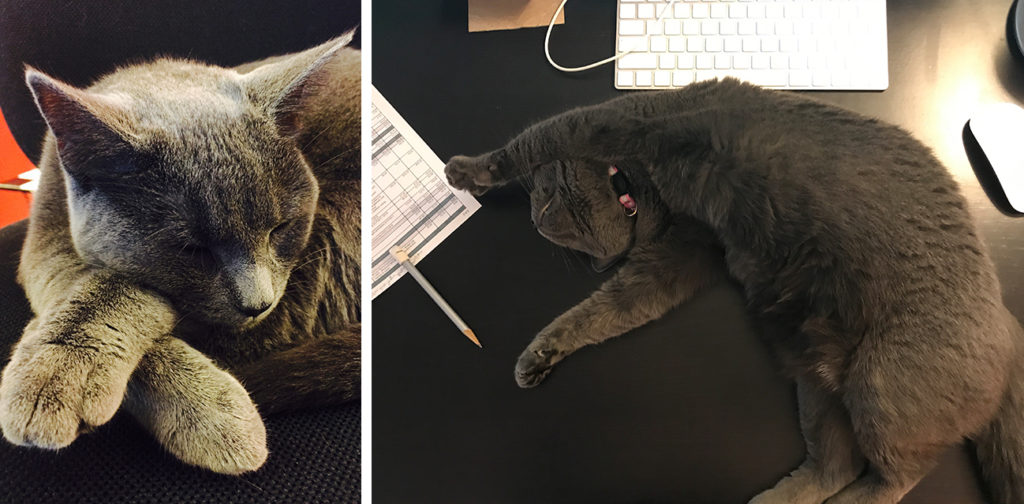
x=402, y=257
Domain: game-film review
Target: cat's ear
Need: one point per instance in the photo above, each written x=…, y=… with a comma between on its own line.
x=85, y=124
x=280, y=87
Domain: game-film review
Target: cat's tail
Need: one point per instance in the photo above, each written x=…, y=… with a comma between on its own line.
x=1000, y=446
x=319, y=372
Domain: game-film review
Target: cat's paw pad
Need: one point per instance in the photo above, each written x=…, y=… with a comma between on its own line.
x=51, y=392
x=473, y=174
x=533, y=366
x=219, y=428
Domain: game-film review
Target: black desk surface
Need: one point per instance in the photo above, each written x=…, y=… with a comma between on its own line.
x=686, y=409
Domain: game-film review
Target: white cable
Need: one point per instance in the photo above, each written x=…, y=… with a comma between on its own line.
x=551, y=25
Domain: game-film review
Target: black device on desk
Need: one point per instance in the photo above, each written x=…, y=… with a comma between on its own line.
x=689, y=408
x=1015, y=30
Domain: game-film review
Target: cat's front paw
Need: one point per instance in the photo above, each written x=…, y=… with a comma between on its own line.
x=535, y=363
x=197, y=411
x=57, y=386
x=474, y=174
x=226, y=435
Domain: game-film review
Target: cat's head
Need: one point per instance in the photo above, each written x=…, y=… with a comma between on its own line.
x=187, y=178
x=579, y=205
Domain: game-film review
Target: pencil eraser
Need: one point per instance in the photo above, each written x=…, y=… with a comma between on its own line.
x=399, y=254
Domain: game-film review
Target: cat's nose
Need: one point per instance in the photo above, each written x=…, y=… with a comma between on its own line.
x=255, y=311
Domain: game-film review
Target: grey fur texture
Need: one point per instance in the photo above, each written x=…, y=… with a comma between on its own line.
x=853, y=246
x=193, y=252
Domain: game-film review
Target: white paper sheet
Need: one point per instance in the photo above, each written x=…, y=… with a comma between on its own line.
x=413, y=205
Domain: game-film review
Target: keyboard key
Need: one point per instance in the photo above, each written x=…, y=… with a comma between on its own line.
x=700, y=11
x=773, y=11
x=780, y=61
x=685, y=61
x=713, y=44
x=821, y=79
x=727, y=27
x=765, y=28
x=733, y=44
x=659, y=44
x=719, y=11
x=691, y=27
x=680, y=10
x=751, y=44
x=800, y=78
x=741, y=61
x=627, y=11
x=655, y=27
x=705, y=61
x=771, y=78
x=682, y=78
x=677, y=44
x=632, y=44
x=624, y=78
x=645, y=11
x=755, y=11
x=695, y=44
x=627, y=27
x=747, y=27
x=662, y=78
x=667, y=61
x=769, y=44
x=723, y=61
x=643, y=79
x=798, y=61
x=709, y=27
x=673, y=27
x=737, y=11
x=760, y=61
x=639, y=60
x=788, y=45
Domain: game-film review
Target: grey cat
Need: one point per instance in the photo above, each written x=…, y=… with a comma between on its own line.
x=853, y=247
x=193, y=253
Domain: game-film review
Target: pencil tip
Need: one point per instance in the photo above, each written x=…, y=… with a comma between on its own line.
x=472, y=337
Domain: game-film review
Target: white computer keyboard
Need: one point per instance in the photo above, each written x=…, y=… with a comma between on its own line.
x=788, y=44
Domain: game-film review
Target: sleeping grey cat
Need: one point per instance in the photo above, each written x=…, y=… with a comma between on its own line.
x=853, y=247
x=196, y=228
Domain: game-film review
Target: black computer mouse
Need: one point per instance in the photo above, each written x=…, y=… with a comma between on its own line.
x=1015, y=30
x=992, y=141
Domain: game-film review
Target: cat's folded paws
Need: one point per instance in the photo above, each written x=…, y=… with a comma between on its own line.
x=56, y=387
x=535, y=363
x=197, y=411
x=473, y=174
x=225, y=435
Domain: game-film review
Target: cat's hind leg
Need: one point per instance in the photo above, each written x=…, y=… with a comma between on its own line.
x=317, y=372
x=198, y=412
x=833, y=458
x=914, y=394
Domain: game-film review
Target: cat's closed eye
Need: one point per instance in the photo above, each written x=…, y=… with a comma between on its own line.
x=281, y=228
x=199, y=255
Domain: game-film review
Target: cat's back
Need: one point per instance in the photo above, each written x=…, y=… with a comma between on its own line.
x=847, y=210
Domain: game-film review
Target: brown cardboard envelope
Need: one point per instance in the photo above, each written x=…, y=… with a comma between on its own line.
x=487, y=15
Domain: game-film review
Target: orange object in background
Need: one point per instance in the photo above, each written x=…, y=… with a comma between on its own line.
x=14, y=205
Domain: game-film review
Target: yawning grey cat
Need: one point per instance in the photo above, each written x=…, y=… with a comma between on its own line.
x=192, y=220
x=853, y=246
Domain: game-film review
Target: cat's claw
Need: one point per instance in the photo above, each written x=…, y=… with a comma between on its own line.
x=49, y=393
x=473, y=174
